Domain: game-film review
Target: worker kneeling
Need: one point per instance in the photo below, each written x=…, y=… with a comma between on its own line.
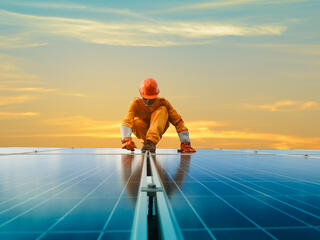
x=149, y=117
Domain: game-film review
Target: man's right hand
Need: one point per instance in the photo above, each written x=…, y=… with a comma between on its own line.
x=128, y=144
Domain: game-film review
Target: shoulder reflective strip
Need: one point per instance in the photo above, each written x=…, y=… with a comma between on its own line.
x=140, y=222
x=169, y=227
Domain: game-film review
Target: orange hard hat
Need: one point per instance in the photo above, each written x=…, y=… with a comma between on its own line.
x=149, y=88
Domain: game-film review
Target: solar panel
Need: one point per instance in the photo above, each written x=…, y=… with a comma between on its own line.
x=240, y=195
x=55, y=196
x=50, y=193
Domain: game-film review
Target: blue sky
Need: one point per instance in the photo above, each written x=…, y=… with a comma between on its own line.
x=262, y=20
x=247, y=71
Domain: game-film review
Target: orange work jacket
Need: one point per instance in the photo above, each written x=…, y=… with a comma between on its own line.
x=138, y=109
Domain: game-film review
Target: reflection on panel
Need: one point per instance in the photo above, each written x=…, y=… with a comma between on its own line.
x=64, y=197
x=241, y=195
x=215, y=194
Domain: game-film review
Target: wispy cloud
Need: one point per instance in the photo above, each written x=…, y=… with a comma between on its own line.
x=8, y=100
x=83, y=134
x=286, y=106
x=9, y=71
x=208, y=29
x=18, y=41
x=81, y=123
x=309, y=49
x=81, y=126
x=246, y=135
x=205, y=124
x=183, y=97
x=27, y=89
x=79, y=7
x=12, y=76
x=135, y=34
x=201, y=132
x=207, y=131
x=42, y=90
x=228, y=3
x=10, y=115
x=49, y=5
x=71, y=94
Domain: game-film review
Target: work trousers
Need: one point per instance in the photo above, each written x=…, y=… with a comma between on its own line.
x=154, y=129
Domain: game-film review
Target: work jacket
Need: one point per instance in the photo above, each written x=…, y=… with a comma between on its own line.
x=138, y=109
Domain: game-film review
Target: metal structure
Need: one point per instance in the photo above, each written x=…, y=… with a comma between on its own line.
x=154, y=218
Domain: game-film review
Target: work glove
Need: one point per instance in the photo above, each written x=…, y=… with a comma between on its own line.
x=186, y=147
x=149, y=146
x=128, y=144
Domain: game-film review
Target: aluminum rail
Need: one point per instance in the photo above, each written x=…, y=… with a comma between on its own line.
x=168, y=224
x=140, y=222
x=151, y=193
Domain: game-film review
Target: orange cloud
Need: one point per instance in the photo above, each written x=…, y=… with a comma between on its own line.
x=71, y=94
x=9, y=71
x=26, y=89
x=11, y=76
x=182, y=97
x=84, y=134
x=286, y=106
x=81, y=126
x=7, y=100
x=6, y=115
x=209, y=131
x=201, y=125
x=200, y=131
x=41, y=90
x=81, y=123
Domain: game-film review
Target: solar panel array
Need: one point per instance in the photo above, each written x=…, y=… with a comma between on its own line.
x=214, y=194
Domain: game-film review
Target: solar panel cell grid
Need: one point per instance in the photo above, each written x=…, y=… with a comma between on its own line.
x=261, y=189
x=71, y=197
x=214, y=194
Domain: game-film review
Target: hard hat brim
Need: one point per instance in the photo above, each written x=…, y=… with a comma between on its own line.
x=148, y=96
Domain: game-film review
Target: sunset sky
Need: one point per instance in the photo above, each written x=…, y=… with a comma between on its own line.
x=242, y=73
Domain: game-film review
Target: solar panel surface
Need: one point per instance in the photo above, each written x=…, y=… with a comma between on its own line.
x=47, y=195
x=214, y=194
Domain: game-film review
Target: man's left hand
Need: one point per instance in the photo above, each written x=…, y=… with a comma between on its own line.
x=186, y=147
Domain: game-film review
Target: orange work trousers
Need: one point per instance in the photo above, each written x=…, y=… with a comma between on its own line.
x=154, y=129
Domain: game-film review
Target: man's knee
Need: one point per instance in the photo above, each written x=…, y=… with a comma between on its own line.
x=162, y=110
x=138, y=123
x=140, y=128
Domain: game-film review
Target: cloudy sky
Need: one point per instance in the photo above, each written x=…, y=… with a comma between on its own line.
x=242, y=73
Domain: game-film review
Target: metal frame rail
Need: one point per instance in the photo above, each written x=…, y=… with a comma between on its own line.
x=154, y=218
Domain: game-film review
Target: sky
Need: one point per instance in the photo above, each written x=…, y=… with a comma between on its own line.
x=241, y=73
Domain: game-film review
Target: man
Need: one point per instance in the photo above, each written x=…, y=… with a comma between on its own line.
x=149, y=117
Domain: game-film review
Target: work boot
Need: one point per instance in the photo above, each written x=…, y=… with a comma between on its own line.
x=149, y=146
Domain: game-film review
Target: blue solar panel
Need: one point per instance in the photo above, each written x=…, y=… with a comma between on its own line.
x=241, y=195
x=214, y=194
x=54, y=196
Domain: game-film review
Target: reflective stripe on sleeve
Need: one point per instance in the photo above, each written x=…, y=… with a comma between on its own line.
x=184, y=137
x=125, y=131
